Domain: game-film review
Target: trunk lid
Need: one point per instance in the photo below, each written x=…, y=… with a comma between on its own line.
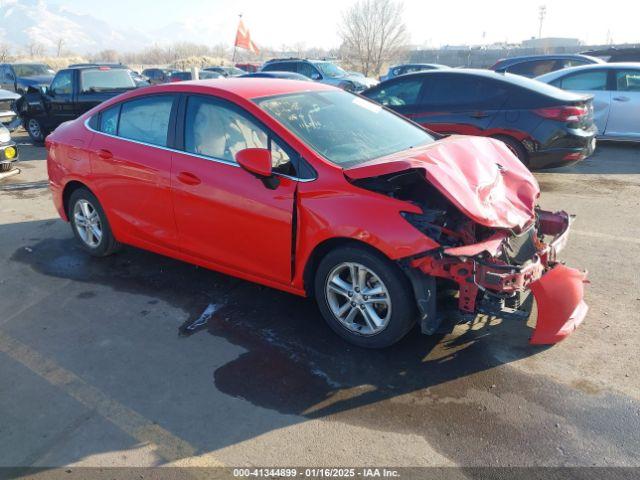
x=480, y=176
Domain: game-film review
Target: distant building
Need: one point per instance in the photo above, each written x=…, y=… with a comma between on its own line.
x=551, y=42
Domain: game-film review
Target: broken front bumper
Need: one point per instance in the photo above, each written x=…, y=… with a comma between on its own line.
x=478, y=271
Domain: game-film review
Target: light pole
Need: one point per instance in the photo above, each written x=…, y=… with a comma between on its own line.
x=542, y=12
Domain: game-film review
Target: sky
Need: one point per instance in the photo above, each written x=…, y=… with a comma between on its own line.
x=430, y=23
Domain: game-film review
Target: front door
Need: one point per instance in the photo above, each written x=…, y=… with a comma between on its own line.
x=624, y=119
x=59, y=99
x=224, y=214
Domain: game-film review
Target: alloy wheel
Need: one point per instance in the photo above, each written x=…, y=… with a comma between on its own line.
x=87, y=223
x=34, y=128
x=358, y=298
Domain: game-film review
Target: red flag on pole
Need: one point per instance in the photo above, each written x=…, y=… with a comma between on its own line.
x=243, y=39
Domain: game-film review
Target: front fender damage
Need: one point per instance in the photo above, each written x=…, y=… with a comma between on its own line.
x=487, y=279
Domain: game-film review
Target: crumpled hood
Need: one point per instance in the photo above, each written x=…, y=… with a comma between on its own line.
x=479, y=175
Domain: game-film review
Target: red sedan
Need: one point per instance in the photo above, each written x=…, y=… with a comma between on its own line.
x=309, y=189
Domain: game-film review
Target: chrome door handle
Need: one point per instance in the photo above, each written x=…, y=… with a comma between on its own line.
x=621, y=99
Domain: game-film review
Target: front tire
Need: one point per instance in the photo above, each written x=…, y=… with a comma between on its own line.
x=364, y=297
x=90, y=225
x=36, y=131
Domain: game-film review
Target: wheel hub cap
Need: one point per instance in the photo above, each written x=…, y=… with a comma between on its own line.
x=358, y=299
x=87, y=223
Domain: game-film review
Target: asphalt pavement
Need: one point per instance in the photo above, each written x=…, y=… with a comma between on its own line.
x=95, y=371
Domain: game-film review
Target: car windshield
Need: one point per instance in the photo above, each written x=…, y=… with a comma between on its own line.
x=330, y=70
x=106, y=79
x=345, y=129
x=32, y=69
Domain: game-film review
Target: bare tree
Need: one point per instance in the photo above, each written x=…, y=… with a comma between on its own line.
x=373, y=33
x=35, y=49
x=59, y=45
x=5, y=52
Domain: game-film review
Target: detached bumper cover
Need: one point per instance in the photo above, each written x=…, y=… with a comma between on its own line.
x=559, y=295
x=558, y=290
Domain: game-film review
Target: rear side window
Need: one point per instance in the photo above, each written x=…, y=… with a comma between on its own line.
x=280, y=67
x=146, y=119
x=628, y=80
x=402, y=92
x=464, y=91
x=533, y=68
x=307, y=69
x=594, y=80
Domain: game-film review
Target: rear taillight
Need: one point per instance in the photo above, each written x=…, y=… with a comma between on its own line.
x=564, y=113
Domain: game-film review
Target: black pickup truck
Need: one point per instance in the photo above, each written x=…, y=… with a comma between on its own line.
x=72, y=92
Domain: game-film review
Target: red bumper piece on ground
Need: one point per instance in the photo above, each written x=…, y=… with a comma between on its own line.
x=559, y=295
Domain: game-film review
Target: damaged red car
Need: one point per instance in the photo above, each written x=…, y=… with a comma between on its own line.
x=310, y=189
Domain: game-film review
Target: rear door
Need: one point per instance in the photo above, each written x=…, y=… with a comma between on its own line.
x=593, y=82
x=459, y=103
x=624, y=119
x=224, y=214
x=131, y=166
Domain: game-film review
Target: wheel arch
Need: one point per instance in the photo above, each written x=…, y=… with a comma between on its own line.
x=68, y=190
x=322, y=249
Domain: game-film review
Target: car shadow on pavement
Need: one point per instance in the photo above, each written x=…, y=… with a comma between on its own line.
x=444, y=388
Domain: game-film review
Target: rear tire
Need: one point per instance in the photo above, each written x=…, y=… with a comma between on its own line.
x=516, y=147
x=90, y=225
x=374, y=311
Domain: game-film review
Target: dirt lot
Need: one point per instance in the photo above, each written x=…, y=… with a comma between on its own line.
x=93, y=371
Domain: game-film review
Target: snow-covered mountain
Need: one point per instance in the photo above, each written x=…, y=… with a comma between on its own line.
x=27, y=22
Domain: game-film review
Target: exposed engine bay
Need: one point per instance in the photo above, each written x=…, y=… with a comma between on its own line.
x=492, y=267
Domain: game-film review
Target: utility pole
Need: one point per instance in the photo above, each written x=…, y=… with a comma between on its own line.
x=542, y=12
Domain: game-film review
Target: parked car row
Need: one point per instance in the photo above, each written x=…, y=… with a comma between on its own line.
x=542, y=125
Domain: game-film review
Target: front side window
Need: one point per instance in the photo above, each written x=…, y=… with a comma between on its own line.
x=628, y=80
x=100, y=80
x=345, y=129
x=403, y=92
x=594, y=80
x=216, y=131
x=62, y=84
x=330, y=70
x=146, y=119
x=307, y=70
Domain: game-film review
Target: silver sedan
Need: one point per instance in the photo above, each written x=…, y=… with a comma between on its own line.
x=616, y=95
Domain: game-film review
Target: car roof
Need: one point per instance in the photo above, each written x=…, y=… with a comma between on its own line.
x=600, y=66
x=247, y=88
x=517, y=80
x=550, y=56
